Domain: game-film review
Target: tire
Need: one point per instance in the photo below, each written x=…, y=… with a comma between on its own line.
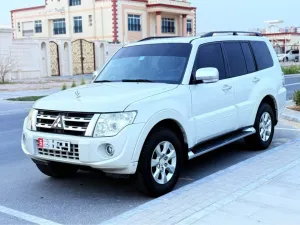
x=258, y=141
x=57, y=170
x=285, y=59
x=157, y=142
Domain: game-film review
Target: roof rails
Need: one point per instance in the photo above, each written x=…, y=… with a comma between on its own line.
x=210, y=34
x=159, y=37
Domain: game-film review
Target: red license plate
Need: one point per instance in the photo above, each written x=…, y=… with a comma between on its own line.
x=41, y=142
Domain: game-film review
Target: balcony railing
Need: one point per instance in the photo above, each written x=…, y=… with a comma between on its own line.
x=170, y=2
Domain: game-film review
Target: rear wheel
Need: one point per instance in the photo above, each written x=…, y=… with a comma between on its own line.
x=264, y=125
x=58, y=170
x=160, y=163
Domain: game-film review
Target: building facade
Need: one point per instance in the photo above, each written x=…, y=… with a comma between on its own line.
x=285, y=41
x=121, y=21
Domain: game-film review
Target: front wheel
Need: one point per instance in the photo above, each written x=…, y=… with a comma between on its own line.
x=264, y=125
x=160, y=163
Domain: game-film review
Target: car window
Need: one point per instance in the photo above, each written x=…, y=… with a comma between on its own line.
x=251, y=67
x=159, y=63
x=262, y=55
x=295, y=52
x=211, y=55
x=235, y=57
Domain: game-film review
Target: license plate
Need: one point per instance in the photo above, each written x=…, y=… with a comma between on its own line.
x=54, y=145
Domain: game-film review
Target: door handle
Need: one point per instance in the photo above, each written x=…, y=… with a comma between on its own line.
x=226, y=87
x=256, y=80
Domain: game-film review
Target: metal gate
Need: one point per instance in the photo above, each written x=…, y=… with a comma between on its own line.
x=54, y=54
x=83, y=53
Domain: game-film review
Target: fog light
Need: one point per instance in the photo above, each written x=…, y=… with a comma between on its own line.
x=110, y=150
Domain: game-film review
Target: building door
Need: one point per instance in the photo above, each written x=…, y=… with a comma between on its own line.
x=54, y=55
x=83, y=53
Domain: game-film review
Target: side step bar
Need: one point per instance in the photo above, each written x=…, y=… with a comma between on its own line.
x=219, y=142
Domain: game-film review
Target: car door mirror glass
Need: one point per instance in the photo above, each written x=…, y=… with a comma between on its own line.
x=207, y=75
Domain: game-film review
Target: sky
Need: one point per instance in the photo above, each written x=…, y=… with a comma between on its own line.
x=212, y=14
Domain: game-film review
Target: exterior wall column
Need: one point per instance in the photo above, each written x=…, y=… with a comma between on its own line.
x=158, y=23
x=70, y=58
x=184, y=27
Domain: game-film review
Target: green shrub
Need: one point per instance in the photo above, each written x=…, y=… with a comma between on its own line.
x=64, y=87
x=291, y=69
x=73, y=84
x=296, y=97
x=82, y=81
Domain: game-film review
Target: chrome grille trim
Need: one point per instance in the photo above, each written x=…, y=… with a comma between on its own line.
x=74, y=123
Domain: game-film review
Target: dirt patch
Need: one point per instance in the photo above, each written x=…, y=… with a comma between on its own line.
x=296, y=108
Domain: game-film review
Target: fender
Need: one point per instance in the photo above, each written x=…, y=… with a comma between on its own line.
x=261, y=96
x=155, y=119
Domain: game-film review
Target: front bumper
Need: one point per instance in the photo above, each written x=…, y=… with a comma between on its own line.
x=91, y=151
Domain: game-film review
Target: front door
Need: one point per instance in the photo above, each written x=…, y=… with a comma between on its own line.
x=213, y=104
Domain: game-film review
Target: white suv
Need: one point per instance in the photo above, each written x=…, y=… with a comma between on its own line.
x=158, y=102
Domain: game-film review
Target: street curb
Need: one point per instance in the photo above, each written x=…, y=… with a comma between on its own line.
x=288, y=115
x=186, y=188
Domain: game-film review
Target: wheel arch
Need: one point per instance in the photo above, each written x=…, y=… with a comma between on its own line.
x=270, y=100
x=168, y=119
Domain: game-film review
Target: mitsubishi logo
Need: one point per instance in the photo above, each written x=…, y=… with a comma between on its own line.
x=77, y=93
x=58, y=123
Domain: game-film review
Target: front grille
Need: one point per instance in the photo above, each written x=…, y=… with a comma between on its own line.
x=73, y=154
x=73, y=123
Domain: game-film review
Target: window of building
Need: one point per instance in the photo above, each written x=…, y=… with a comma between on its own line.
x=19, y=27
x=90, y=20
x=251, y=67
x=262, y=55
x=75, y=2
x=78, y=24
x=28, y=29
x=38, y=26
x=168, y=25
x=189, y=28
x=236, y=60
x=134, y=22
x=59, y=26
x=211, y=55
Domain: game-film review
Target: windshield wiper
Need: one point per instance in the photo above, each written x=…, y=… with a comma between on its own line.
x=102, y=81
x=138, y=80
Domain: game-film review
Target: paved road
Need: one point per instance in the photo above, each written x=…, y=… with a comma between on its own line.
x=292, y=83
x=90, y=197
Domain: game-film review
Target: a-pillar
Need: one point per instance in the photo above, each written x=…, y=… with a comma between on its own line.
x=184, y=25
x=158, y=23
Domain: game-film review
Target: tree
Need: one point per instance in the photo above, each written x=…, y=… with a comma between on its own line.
x=7, y=64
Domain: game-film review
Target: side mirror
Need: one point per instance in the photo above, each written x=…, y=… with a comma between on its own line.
x=207, y=75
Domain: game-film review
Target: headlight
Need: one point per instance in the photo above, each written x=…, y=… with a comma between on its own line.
x=31, y=120
x=111, y=124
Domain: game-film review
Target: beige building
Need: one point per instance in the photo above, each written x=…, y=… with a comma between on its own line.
x=106, y=20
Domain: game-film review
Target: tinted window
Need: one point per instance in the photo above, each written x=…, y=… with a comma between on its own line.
x=235, y=58
x=262, y=55
x=295, y=52
x=211, y=56
x=160, y=63
x=249, y=58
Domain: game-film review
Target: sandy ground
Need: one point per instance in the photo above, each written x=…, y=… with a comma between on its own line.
x=43, y=83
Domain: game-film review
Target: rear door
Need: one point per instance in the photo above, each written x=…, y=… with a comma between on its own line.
x=242, y=69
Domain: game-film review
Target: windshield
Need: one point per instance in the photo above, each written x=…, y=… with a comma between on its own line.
x=161, y=63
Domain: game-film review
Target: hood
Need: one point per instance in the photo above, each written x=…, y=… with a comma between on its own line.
x=105, y=97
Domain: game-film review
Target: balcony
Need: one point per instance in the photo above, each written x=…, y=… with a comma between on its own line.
x=175, y=3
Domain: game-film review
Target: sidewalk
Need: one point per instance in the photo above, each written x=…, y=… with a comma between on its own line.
x=262, y=190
